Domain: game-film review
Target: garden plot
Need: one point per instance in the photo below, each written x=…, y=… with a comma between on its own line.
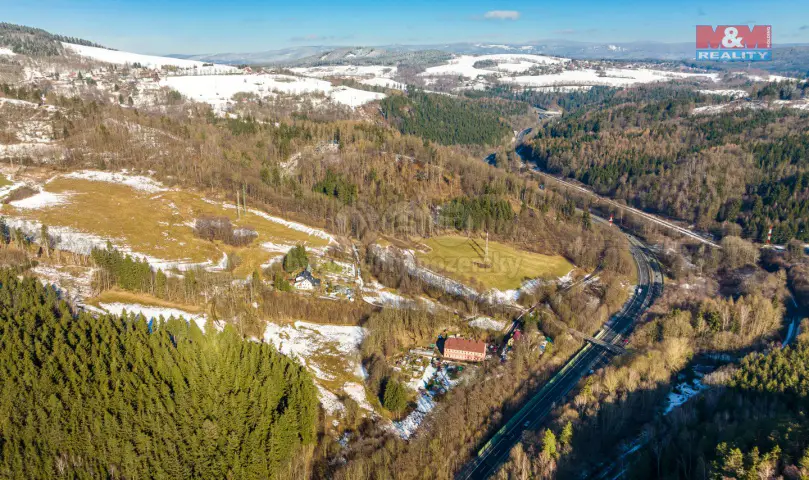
x=83, y=210
x=331, y=352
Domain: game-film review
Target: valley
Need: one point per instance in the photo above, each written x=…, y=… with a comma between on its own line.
x=298, y=264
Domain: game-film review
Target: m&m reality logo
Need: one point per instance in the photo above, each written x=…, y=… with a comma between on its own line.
x=730, y=43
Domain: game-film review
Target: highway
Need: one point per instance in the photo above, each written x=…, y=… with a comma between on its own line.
x=495, y=452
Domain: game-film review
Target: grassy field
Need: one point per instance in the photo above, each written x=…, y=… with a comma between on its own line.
x=120, y=296
x=4, y=181
x=155, y=224
x=462, y=258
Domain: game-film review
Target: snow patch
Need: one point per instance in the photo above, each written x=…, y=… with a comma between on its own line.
x=42, y=199
x=730, y=92
x=487, y=323
x=137, y=182
x=384, y=83
x=326, y=350
x=425, y=403
x=682, y=393
x=377, y=71
x=154, y=313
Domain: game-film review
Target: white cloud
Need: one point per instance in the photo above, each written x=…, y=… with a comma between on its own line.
x=502, y=15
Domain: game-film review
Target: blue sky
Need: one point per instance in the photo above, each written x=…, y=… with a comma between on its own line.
x=209, y=26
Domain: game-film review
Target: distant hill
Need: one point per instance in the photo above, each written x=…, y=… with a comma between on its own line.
x=787, y=58
x=254, y=58
x=309, y=56
x=35, y=41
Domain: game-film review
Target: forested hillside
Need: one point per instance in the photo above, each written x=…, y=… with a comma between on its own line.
x=113, y=397
x=447, y=120
x=755, y=427
x=736, y=172
x=35, y=41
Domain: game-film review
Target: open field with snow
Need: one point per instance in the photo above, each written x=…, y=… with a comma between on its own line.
x=140, y=215
x=539, y=71
x=218, y=90
x=331, y=353
x=613, y=77
x=377, y=71
x=507, y=62
x=151, y=61
x=463, y=258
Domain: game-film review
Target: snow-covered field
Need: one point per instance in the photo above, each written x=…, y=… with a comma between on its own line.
x=384, y=83
x=376, y=71
x=613, y=77
x=6, y=51
x=506, y=62
x=151, y=61
x=514, y=68
x=218, y=90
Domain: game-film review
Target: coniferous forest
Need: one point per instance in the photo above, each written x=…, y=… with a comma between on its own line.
x=115, y=397
x=444, y=119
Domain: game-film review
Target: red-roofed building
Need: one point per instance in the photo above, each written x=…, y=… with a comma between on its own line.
x=463, y=349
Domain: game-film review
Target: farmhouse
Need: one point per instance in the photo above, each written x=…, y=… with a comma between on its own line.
x=306, y=281
x=463, y=349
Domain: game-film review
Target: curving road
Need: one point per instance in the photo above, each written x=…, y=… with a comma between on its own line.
x=495, y=452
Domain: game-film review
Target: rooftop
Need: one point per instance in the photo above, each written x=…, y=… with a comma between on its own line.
x=465, y=345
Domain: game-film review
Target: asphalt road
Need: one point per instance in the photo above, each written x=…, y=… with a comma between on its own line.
x=590, y=357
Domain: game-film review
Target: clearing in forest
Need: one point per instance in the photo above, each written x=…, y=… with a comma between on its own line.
x=464, y=259
x=156, y=222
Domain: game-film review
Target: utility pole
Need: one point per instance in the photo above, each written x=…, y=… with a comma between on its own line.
x=486, y=258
